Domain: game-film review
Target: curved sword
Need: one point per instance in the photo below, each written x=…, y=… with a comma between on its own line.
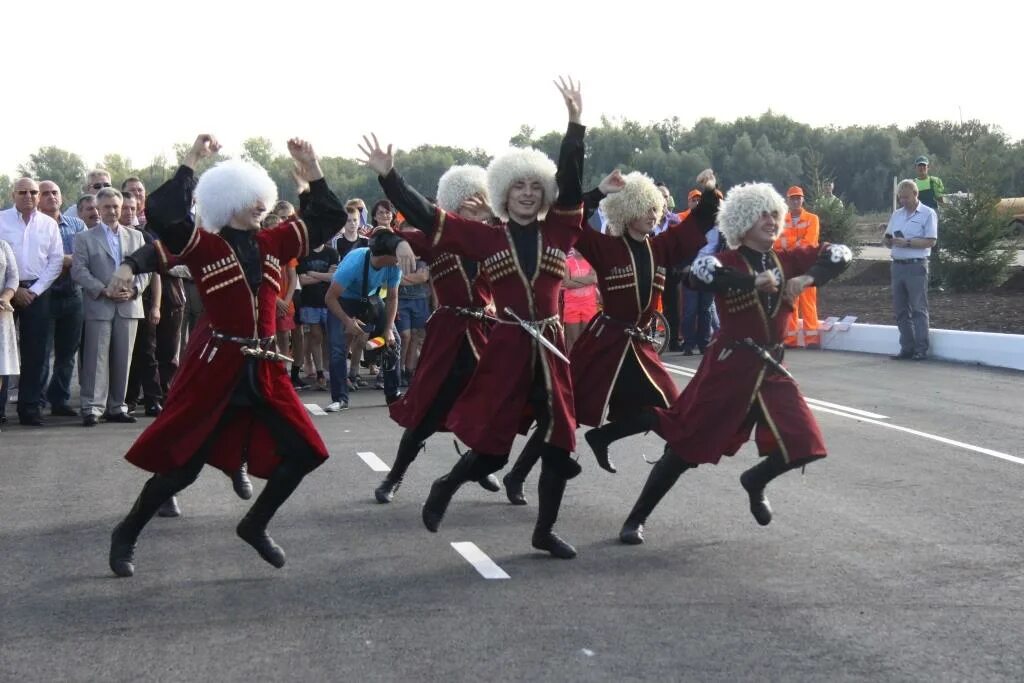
x=535, y=333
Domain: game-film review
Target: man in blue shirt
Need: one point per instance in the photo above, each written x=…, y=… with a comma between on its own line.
x=65, y=306
x=353, y=302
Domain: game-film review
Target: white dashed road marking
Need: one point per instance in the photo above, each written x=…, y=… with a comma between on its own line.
x=478, y=558
x=375, y=463
x=314, y=409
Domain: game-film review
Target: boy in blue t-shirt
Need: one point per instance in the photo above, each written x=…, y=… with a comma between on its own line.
x=351, y=313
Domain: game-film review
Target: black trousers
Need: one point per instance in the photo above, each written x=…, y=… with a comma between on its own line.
x=33, y=341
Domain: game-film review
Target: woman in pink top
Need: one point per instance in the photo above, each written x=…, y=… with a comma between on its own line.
x=579, y=295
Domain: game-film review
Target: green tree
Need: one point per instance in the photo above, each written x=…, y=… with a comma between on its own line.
x=977, y=251
x=119, y=168
x=6, y=187
x=259, y=151
x=62, y=167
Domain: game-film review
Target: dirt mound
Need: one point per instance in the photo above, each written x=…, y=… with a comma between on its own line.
x=864, y=272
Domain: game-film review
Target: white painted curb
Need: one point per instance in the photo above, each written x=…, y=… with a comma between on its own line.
x=985, y=348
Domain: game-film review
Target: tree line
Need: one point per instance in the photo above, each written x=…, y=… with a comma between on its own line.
x=861, y=160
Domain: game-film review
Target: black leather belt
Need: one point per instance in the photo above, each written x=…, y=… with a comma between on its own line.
x=909, y=260
x=25, y=284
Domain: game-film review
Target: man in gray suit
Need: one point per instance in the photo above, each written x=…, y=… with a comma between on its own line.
x=111, y=317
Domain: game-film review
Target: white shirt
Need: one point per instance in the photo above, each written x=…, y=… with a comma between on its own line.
x=37, y=247
x=113, y=241
x=922, y=222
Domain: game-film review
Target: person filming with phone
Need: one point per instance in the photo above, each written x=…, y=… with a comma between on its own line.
x=911, y=233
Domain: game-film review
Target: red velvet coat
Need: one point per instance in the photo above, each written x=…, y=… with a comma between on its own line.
x=599, y=353
x=715, y=413
x=446, y=330
x=495, y=404
x=211, y=369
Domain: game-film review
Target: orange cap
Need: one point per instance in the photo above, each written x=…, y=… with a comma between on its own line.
x=795, y=191
x=693, y=194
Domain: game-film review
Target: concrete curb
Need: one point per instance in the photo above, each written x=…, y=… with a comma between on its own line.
x=984, y=348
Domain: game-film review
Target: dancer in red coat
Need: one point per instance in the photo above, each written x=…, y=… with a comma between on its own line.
x=456, y=332
x=231, y=400
x=741, y=385
x=615, y=369
x=519, y=379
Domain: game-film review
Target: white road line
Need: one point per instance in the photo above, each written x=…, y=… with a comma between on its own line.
x=847, y=409
x=375, y=463
x=478, y=558
x=865, y=416
x=687, y=372
x=926, y=435
x=314, y=409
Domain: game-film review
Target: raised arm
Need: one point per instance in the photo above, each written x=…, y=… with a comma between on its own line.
x=570, y=157
x=417, y=210
x=320, y=209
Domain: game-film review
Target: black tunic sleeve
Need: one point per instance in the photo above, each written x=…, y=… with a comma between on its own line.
x=570, y=167
x=322, y=212
x=724, y=279
x=591, y=200
x=415, y=207
x=169, y=215
x=169, y=210
x=144, y=259
x=833, y=259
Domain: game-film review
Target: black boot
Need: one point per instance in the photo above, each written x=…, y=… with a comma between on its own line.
x=470, y=467
x=408, y=448
x=241, y=483
x=253, y=527
x=516, y=477
x=601, y=437
x=550, y=489
x=756, y=479
x=663, y=477
x=489, y=483
x=169, y=508
x=122, y=542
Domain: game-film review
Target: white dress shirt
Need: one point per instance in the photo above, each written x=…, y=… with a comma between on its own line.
x=37, y=246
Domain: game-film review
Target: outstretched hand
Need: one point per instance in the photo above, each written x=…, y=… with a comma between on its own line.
x=376, y=158
x=612, y=183
x=205, y=146
x=406, y=257
x=796, y=285
x=306, y=161
x=573, y=96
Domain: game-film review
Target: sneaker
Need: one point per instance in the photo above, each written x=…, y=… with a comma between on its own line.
x=337, y=407
x=321, y=383
x=298, y=383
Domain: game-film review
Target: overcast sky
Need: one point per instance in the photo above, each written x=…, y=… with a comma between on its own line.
x=135, y=78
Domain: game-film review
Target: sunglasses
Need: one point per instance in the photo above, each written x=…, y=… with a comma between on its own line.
x=100, y=186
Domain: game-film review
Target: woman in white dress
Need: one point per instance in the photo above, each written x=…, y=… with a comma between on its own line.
x=9, y=361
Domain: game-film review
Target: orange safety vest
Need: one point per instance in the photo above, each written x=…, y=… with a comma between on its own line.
x=802, y=326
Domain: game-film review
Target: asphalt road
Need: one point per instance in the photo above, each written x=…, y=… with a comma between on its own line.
x=899, y=557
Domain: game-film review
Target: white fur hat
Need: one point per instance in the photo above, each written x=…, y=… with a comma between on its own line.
x=743, y=206
x=458, y=184
x=517, y=164
x=631, y=202
x=229, y=187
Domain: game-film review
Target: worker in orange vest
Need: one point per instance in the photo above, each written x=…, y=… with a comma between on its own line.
x=802, y=229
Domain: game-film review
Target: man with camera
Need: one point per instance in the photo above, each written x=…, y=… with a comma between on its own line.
x=356, y=307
